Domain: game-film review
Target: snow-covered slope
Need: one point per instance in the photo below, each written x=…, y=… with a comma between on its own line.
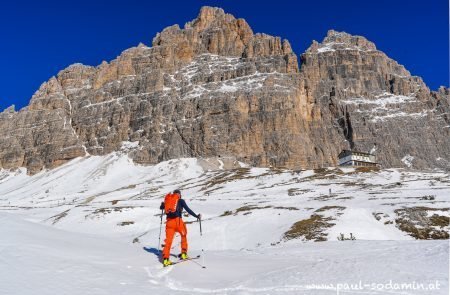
x=91, y=227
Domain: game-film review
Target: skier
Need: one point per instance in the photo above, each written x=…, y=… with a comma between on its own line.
x=173, y=206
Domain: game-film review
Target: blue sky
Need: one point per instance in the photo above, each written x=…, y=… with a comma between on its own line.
x=40, y=38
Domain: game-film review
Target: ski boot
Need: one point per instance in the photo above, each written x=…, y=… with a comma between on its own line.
x=167, y=262
x=184, y=256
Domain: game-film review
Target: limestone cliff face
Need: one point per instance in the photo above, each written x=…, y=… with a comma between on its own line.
x=371, y=99
x=214, y=88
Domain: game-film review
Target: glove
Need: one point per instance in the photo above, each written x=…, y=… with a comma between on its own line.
x=199, y=216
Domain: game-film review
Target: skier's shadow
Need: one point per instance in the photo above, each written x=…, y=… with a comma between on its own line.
x=152, y=250
x=155, y=251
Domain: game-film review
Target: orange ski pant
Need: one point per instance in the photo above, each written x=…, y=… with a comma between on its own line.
x=175, y=225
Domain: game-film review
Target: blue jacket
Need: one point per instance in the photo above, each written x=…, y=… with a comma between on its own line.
x=179, y=212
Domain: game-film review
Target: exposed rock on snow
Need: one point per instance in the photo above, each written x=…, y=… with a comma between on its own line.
x=93, y=224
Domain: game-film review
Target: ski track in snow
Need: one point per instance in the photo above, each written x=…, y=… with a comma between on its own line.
x=70, y=230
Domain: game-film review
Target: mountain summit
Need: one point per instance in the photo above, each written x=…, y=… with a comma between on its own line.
x=214, y=88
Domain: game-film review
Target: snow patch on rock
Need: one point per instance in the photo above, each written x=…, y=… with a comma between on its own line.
x=408, y=160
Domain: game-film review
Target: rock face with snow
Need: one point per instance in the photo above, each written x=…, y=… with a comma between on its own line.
x=372, y=99
x=214, y=88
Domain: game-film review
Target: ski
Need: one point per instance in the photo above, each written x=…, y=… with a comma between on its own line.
x=193, y=259
x=196, y=262
x=187, y=259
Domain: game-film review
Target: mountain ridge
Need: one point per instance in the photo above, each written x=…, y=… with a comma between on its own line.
x=214, y=88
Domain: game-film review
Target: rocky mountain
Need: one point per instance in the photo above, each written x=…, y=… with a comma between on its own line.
x=215, y=88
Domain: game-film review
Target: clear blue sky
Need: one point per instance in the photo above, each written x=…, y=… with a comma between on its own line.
x=40, y=38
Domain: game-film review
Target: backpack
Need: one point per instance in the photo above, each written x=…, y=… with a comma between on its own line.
x=170, y=204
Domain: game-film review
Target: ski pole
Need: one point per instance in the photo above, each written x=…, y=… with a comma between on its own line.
x=201, y=242
x=159, y=240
